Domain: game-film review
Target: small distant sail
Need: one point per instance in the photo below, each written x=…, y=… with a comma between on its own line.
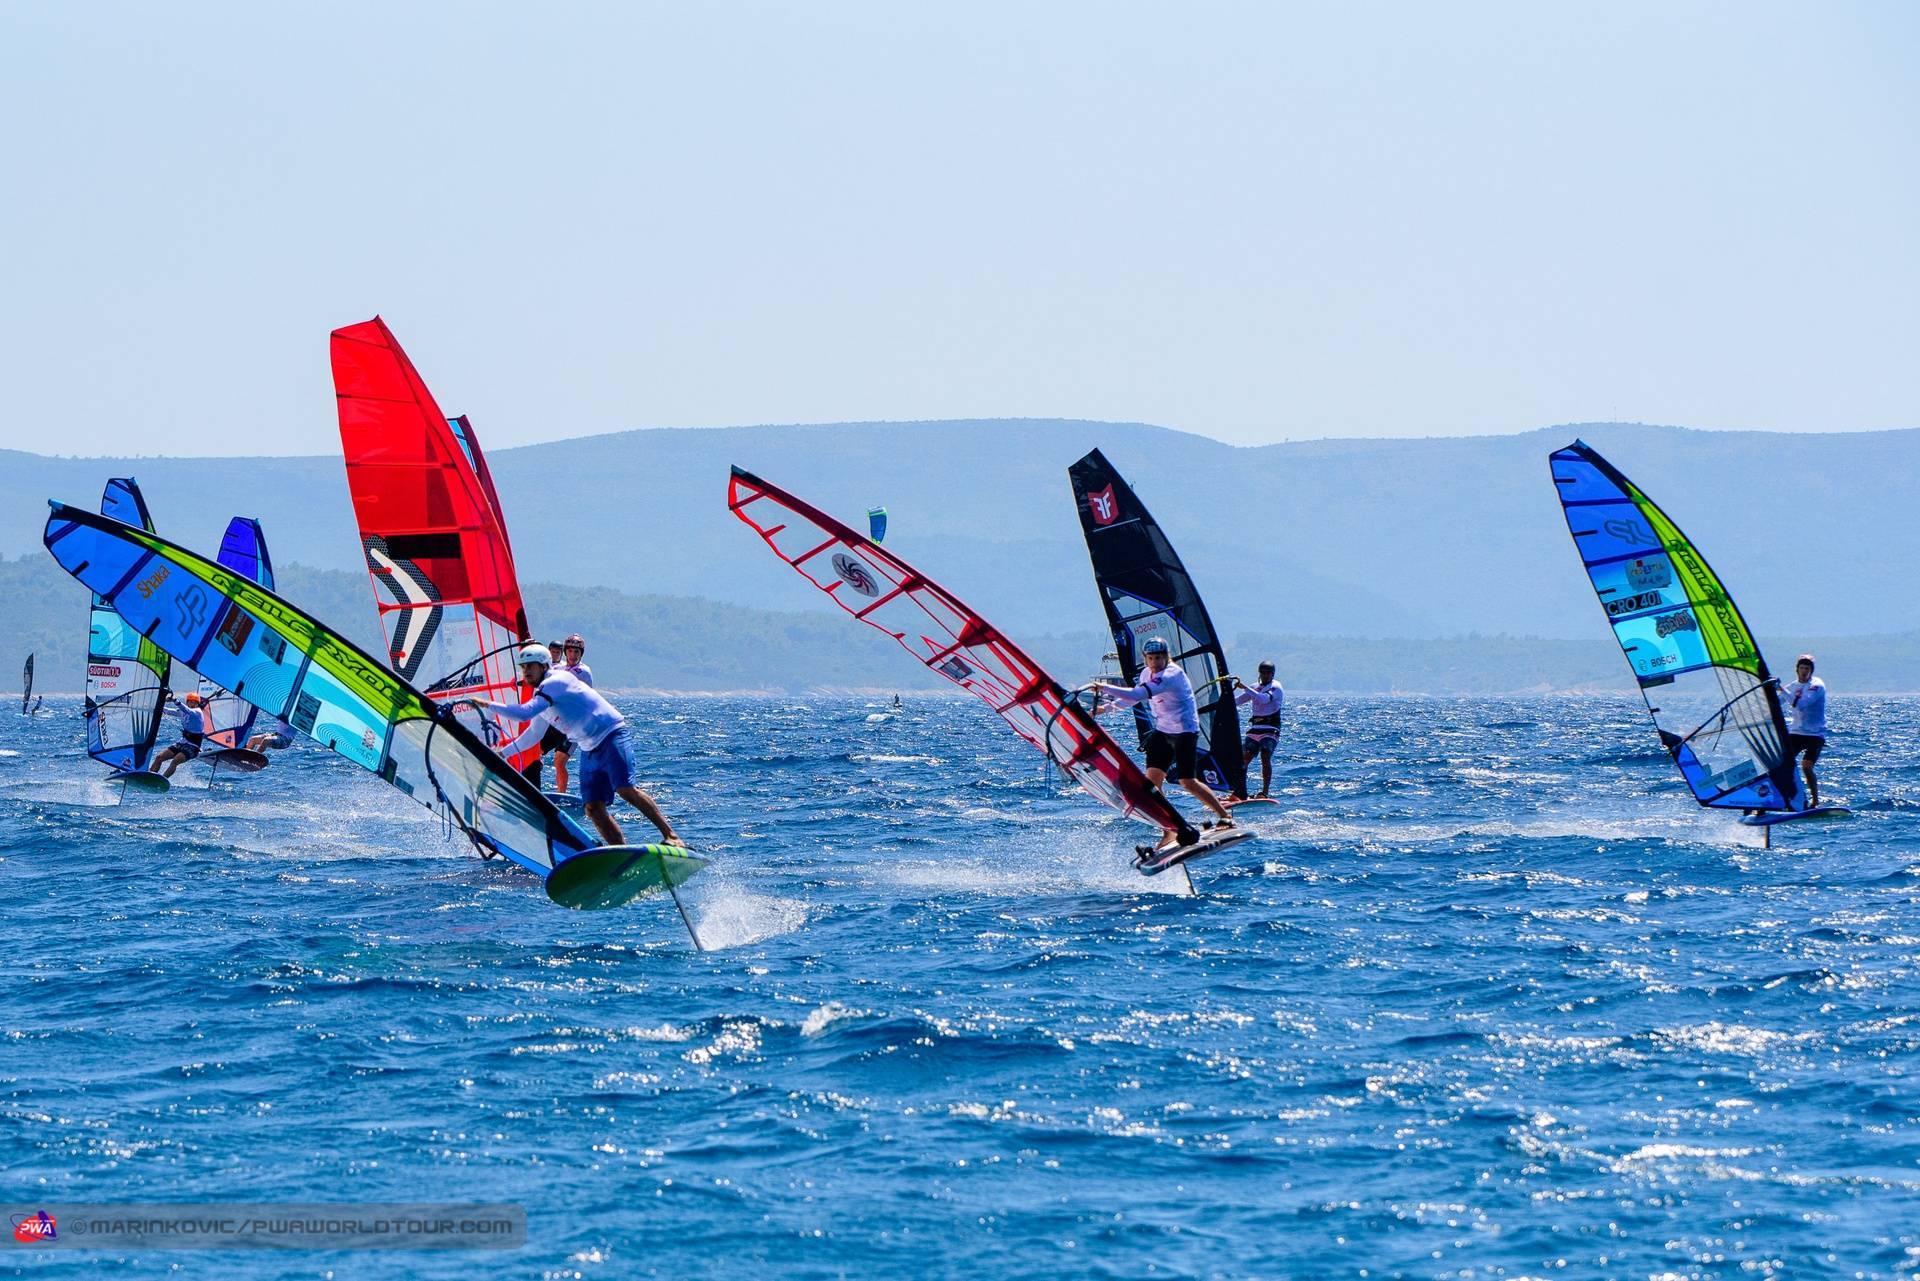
x=877, y=524
x=431, y=527
x=26, y=685
x=949, y=638
x=1147, y=592
x=126, y=672
x=243, y=549
x=1713, y=701
x=288, y=664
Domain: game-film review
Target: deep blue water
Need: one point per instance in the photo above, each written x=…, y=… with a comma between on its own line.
x=1490, y=998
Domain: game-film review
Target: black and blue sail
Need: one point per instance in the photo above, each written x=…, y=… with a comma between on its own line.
x=1714, y=704
x=1147, y=592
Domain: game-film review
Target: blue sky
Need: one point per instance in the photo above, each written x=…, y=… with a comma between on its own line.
x=1257, y=222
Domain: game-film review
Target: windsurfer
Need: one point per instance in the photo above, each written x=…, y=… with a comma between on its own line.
x=552, y=742
x=275, y=739
x=1175, y=739
x=564, y=702
x=1806, y=708
x=193, y=732
x=1264, y=702
x=566, y=656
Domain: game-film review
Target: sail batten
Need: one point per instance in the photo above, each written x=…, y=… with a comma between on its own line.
x=1718, y=712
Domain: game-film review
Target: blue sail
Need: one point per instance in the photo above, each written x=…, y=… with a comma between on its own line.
x=243, y=549
x=126, y=672
x=1714, y=704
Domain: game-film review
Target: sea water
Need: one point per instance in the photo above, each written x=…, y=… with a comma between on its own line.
x=1489, y=997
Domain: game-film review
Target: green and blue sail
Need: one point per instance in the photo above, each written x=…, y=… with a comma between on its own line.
x=1714, y=704
x=284, y=662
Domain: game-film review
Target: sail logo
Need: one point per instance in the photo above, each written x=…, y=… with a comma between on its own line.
x=954, y=669
x=234, y=629
x=1628, y=530
x=34, y=1228
x=151, y=584
x=1103, y=506
x=103, y=669
x=192, y=604
x=1679, y=621
x=1643, y=574
x=855, y=575
x=1634, y=604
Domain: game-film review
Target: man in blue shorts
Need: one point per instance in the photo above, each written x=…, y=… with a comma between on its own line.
x=570, y=705
x=1263, y=703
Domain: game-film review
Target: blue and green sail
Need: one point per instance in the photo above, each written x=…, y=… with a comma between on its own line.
x=242, y=637
x=126, y=673
x=1713, y=701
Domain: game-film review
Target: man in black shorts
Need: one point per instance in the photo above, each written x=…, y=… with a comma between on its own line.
x=1805, y=703
x=193, y=732
x=1172, y=746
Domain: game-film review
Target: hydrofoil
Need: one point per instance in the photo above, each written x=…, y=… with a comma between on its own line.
x=1153, y=860
x=1773, y=818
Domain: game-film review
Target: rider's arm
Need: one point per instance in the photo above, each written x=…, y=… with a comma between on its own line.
x=530, y=735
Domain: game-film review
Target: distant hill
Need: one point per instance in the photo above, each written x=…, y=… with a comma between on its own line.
x=682, y=644
x=1381, y=538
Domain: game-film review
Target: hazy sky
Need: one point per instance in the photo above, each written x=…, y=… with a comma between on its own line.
x=1258, y=222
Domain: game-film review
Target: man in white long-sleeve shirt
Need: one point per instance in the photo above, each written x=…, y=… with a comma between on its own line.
x=1805, y=702
x=576, y=709
x=1175, y=738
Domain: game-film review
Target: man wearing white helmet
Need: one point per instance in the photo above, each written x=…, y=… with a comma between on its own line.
x=1805, y=700
x=1175, y=739
x=570, y=705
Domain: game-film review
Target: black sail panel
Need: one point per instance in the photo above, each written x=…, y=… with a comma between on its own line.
x=1146, y=591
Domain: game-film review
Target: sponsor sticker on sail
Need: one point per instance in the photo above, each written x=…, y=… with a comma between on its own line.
x=1103, y=506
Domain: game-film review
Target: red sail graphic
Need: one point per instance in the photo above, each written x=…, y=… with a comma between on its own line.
x=885, y=592
x=430, y=527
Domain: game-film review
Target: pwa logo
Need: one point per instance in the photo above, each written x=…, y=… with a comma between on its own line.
x=1104, y=506
x=34, y=1228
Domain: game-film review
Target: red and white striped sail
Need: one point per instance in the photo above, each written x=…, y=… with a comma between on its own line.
x=430, y=527
x=885, y=592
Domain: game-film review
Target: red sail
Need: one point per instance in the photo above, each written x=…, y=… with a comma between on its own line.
x=885, y=592
x=430, y=528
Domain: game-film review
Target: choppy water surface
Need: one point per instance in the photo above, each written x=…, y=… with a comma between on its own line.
x=1490, y=998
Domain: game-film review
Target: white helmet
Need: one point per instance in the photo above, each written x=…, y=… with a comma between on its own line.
x=535, y=654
